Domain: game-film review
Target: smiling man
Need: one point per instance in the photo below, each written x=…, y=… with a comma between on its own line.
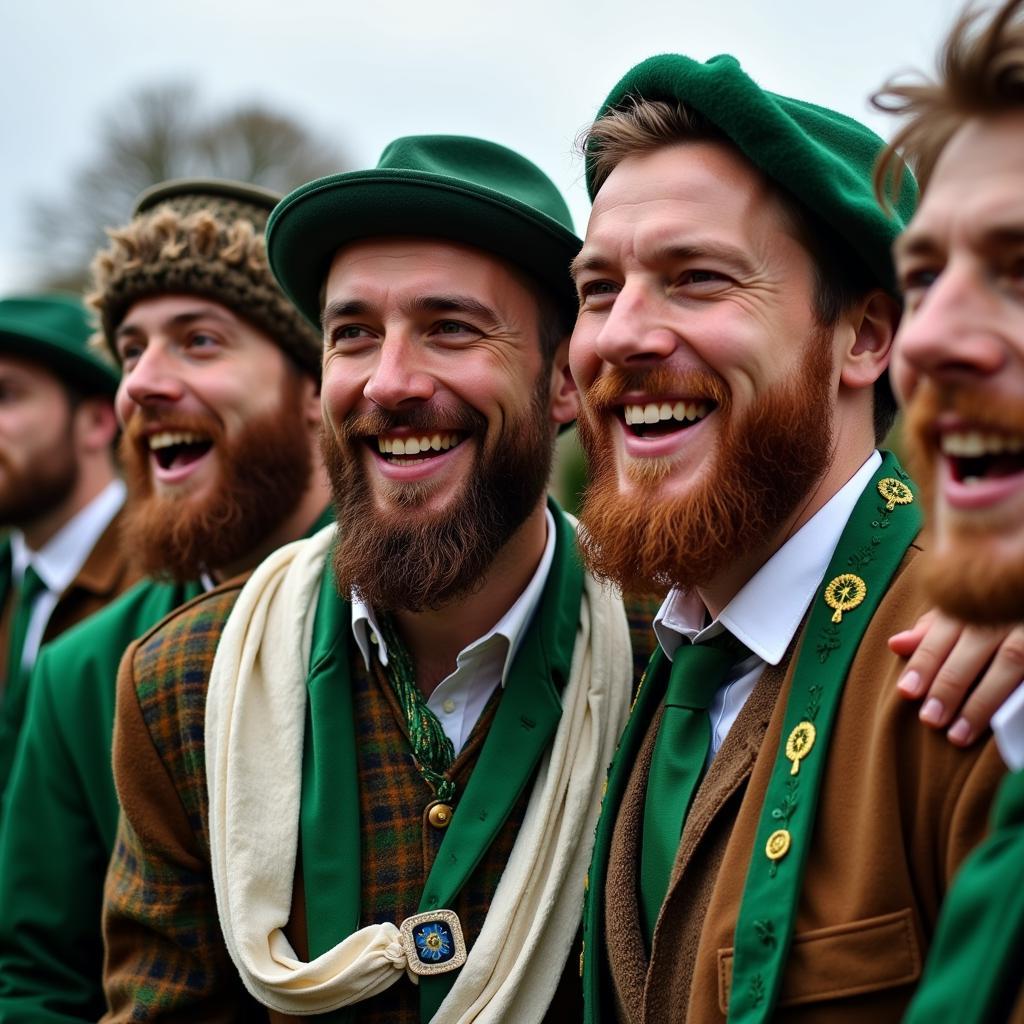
x=386, y=751
x=959, y=366
x=60, y=497
x=219, y=403
x=778, y=832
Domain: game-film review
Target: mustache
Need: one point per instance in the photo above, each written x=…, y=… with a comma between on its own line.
x=979, y=409
x=427, y=418
x=143, y=420
x=608, y=390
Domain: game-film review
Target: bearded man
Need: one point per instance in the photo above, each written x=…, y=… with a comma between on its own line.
x=60, y=497
x=778, y=833
x=366, y=784
x=959, y=366
x=219, y=403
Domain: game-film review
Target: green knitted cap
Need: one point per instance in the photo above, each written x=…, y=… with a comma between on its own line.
x=200, y=237
x=54, y=330
x=824, y=159
x=449, y=187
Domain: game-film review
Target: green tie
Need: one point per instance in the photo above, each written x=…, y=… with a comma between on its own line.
x=677, y=765
x=25, y=600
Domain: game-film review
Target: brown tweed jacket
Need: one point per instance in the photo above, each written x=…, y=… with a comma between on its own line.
x=166, y=959
x=900, y=807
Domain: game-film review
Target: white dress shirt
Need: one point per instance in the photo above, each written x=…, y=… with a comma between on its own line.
x=58, y=561
x=769, y=608
x=1008, y=727
x=460, y=698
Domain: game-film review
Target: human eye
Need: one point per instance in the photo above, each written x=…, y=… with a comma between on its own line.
x=914, y=281
x=348, y=336
x=201, y=341
x=596, y=294
x=701, y=278
x=129, y=352
x=454, y=330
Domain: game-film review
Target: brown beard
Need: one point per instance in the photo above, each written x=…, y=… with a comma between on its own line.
x=765, y=465
x=428, y=563
x=263, y=474
x=31, y=492
x=967, y=577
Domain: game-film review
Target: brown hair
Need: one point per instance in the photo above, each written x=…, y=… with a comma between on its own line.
x=981, y=72
x=841, y=279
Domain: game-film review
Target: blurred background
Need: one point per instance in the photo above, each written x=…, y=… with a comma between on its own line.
x=102, y=99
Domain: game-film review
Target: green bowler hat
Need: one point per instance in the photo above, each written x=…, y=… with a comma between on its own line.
x=824, y=159
x=448, y=187
x=53, y=330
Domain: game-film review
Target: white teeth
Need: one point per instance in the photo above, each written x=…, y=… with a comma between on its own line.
x=171, y=437
x=416, y=445
x=654, y=412
x=971, y=479
x=971, y=444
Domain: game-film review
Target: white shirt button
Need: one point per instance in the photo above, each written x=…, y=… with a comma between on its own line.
x=448, y=706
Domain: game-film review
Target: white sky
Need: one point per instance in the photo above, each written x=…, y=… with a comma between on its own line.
x=529, y=74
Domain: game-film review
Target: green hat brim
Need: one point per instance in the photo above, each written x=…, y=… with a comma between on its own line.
x=312, y=223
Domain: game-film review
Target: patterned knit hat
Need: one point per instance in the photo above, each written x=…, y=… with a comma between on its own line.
x=201, y=237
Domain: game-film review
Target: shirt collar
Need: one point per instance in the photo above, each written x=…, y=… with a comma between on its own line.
x=511, y=626
x=59, y=560
x=767, y=611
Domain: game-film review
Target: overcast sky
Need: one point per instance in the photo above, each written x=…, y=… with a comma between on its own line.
x=528, y=74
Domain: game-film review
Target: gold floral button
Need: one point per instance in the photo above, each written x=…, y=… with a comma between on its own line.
x=778, y=844
x=439, y=815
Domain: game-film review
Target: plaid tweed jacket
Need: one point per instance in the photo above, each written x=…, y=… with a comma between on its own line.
x=166, y=959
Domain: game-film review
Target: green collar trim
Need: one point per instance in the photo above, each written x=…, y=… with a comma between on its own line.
x=882, y=526
x=527, y=716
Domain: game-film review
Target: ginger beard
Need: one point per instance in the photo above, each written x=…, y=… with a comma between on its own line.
x=968, y=573
x=263, y=474
x=765, y=464
x=30, y=491
x=399, y=557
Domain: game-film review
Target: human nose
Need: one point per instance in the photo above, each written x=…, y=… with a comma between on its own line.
x=151, y=378
x=398, y=379
x=632, y=333
x=952, y=332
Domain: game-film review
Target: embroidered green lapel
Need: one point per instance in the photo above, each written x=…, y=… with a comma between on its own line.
x=526, y=719
x=523, y=727
x=648, y=698
x=883, y=524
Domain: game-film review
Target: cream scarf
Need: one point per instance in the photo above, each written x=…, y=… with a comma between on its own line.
x=255, y=718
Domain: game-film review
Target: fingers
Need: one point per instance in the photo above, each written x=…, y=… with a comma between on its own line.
x=929, y=644
x=1000, y=680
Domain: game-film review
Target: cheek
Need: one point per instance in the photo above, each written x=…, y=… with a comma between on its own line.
x=584, y=363
x=901, y=373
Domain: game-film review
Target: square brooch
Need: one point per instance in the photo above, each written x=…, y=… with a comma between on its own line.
x=433, y=942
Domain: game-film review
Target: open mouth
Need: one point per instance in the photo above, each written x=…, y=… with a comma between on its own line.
x=656, y=419
x=413, y=449
x=975, y=456
x=175, y=449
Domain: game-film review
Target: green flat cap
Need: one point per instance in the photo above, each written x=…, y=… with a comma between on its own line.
x=824, y=159
x=435, y=186
x=53, y=330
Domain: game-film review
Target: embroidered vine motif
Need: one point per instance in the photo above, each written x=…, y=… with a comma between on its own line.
x=814, y=700
x=828, y=641
x=757, y=990
x=782, y=814
x=766, y=932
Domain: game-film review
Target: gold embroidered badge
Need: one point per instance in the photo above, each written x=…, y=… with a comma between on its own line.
x=895, y=492
x=844, y=593
x=778, y=844
x=799, y=744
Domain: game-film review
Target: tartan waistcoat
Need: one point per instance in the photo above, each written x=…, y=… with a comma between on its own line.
x=398, y=843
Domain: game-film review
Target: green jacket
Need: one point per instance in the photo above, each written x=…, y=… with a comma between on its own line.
x=61, y=810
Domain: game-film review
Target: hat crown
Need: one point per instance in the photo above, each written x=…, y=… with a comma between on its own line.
x=482, y=164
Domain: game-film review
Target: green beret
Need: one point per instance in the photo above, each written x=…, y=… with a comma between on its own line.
x=435, y=186
x=54, y=330
x=824, y=159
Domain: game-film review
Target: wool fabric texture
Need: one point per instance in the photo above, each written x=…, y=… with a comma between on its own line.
x=451, y=187
x=824, y=159
x=514, y=967
x=54, y=329
x=205, y=238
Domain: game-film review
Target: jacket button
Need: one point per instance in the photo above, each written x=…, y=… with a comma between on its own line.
x=439, y=815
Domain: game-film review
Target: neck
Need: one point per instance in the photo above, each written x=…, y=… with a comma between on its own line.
x=436, y=637
x=295, y=526
x=727, y=584
x=92, y=481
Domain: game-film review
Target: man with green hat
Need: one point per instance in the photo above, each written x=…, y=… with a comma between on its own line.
x=59, y=491
x=958, y=366
x=778, y=832
x=219, y=404
x=367, y=783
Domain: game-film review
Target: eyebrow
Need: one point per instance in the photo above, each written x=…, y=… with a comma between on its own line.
x=452, y=304
x=921, y=243
x=180, y=320
x=735, y=257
